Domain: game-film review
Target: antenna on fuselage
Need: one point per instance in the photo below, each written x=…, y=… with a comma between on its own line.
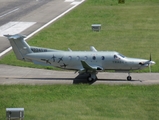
x=92, y=48
x=69, y=49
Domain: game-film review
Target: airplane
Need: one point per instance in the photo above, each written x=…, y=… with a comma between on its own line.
x=89, y=62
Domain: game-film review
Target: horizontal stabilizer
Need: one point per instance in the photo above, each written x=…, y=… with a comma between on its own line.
x=40, y=63
x=15, y=37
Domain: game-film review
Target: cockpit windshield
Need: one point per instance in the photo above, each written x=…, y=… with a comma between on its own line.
x=121, y=55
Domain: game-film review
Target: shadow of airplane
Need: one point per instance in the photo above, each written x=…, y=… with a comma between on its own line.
x=80, y=79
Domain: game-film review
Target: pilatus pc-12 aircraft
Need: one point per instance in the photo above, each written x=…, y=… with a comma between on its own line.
x=90, y=62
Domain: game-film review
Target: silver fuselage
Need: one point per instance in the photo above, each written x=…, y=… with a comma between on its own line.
x=72, y=60
x=90, y=62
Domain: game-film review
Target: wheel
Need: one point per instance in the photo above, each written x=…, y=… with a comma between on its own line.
x=129, y=78
x=89, y=79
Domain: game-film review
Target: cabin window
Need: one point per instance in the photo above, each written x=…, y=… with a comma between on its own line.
x=70, y=58
x=85, y=57
x=103, y=58
x=78, y=57
x=94, y=57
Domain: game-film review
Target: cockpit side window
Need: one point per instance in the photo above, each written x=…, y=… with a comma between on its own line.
x=116, y=57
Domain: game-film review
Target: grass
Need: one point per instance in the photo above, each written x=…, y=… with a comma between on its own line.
x=82, y=102
x=130, y=28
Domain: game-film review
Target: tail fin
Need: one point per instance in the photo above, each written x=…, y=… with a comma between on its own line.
x=19, y=45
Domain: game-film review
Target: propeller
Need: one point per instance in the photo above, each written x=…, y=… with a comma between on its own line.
x=149, y=63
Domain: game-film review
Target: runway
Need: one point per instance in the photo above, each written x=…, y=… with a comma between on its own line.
x=31, y=76
x=27, y=16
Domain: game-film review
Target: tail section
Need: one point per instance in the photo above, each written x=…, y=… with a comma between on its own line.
x=19, y=45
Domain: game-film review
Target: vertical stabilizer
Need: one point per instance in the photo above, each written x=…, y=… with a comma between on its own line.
x=19, y=45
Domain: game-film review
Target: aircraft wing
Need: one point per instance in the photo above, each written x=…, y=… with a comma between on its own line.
x=89, y=68
x=86, y=66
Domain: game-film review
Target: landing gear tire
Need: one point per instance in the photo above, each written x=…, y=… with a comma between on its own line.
x=129, y=78
x=89, y=79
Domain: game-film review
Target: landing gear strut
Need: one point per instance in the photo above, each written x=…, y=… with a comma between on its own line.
x=129, y=77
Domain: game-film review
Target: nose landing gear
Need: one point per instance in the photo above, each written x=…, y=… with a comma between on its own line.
x=129, y=78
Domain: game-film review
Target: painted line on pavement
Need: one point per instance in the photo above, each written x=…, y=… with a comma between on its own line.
x=9, y=12
x=10, y=48
x=12, y=27
x=53, y=20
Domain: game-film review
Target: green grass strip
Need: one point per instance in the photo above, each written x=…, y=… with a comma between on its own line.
x=82, y=102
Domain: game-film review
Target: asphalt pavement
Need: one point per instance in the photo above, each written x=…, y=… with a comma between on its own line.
x=31, y=76
x=27, y=16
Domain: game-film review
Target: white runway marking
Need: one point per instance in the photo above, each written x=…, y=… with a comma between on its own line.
x=14, y=27
x=73, y=2
x=9, y=12
x=7, y=50
x=69, y=0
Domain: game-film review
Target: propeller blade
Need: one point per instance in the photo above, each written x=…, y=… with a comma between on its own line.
x=150, y=56
x=150, y=63
x=149, y=68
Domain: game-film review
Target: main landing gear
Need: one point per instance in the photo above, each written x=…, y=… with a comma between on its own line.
x=129, y=77
x=91, y=78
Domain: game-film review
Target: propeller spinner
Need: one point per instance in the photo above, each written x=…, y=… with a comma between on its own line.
x=149, y=63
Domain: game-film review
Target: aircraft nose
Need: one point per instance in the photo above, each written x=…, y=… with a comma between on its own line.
x=152, y=63
x=147, y=63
